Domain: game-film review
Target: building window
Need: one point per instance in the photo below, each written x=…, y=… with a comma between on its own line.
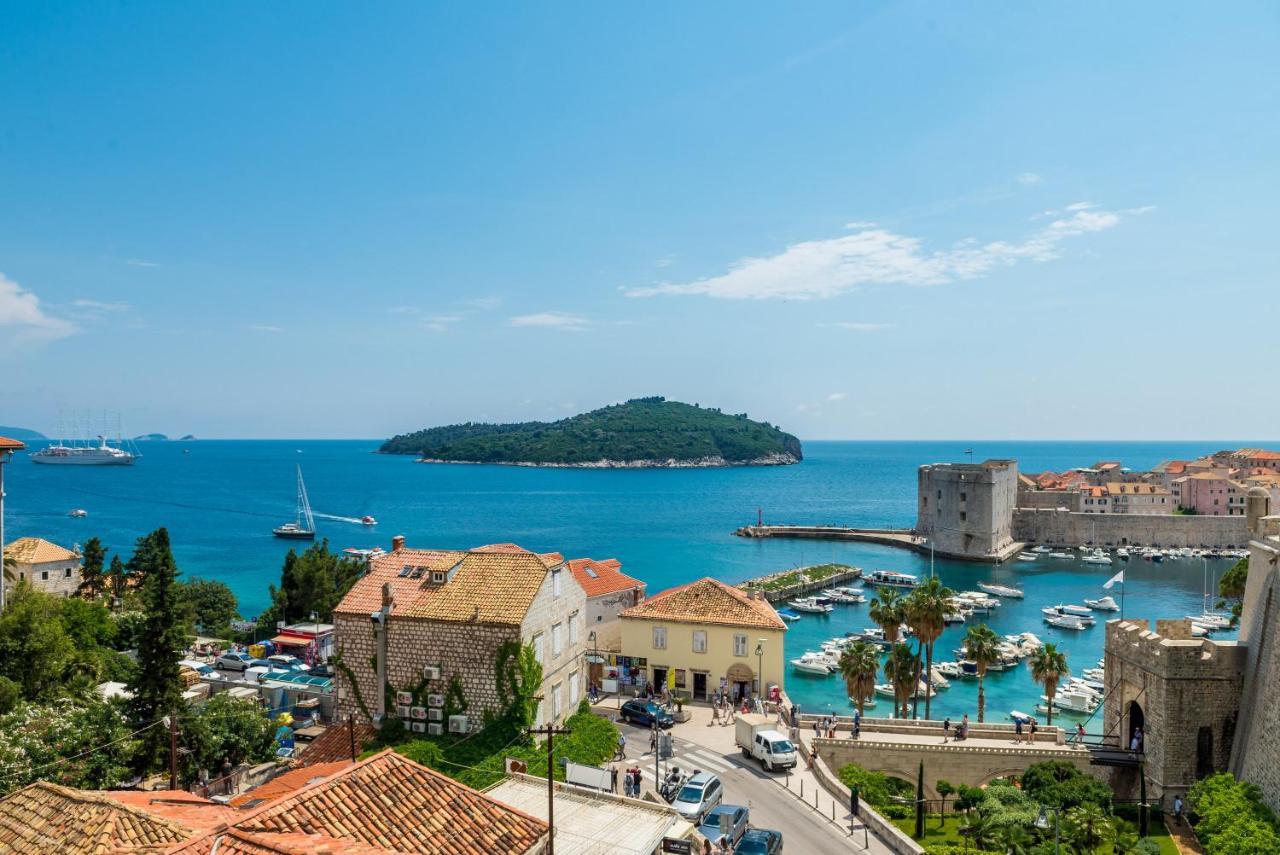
x=67, y=573
x=557, y=640
x=699, y=641
x=537, y=647
x=659, y=638
x=556, y=587
x=438, y=577
x=44, y=575
x=680, y=684
x=963, y=516
x=573, y=688
x=739, y=645
x=964, y=497
x=555, y=700
x=573, y=629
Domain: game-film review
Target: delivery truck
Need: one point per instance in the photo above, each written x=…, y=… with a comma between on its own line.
x=758, y=737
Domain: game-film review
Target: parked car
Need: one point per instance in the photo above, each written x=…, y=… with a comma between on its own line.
x=266, y=664
x=699, y=795
x=760, y=841
x=206, y=672
x=285, y=662
x=644, y=713
x=230, y=661
x=322, y=670
x=724, y=821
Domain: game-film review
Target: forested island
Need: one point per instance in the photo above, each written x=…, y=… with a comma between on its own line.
x=643, y=432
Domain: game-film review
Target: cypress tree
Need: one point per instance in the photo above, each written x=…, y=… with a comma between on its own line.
x=155, y=688
x=118, y=577
x=92, y=581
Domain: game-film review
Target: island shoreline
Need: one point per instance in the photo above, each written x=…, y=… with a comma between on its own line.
x=699, y=463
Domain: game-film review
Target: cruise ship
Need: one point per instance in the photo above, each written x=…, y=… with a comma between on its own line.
x=102, y=454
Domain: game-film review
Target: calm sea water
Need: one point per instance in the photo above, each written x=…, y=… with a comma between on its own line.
x=220, y=500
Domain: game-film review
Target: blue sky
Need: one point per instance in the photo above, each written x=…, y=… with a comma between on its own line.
x=874, y=220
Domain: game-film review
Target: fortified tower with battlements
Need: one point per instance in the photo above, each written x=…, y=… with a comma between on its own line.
x=966, y=509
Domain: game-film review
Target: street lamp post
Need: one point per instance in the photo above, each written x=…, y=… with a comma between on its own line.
x=760, y=669
x=1042, y=823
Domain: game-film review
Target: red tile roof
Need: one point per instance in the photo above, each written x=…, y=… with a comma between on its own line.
x=289, y=782
x=708, y=601
x=335, y=743
x=7, y=444
x=602, y=577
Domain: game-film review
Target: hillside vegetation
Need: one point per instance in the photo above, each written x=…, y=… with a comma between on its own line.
x=643, y=431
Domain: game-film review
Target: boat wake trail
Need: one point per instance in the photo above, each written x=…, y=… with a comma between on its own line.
x=337, y=518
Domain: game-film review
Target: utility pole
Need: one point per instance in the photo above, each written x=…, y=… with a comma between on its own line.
x=550, y=731
x=172, y=722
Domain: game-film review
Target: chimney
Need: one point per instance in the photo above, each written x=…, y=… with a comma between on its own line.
x=397, y=543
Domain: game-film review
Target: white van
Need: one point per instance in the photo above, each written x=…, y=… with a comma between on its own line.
x=757, y=738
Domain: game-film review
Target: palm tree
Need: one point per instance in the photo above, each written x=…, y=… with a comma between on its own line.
x=981, y=647
x=926, y=610
x=888, y=610
x=979, y=829
x=900, y=670
x=858, y=666
x=1124, y=837
x=1048, y=666
x=1087, y=826
x=1016, y=840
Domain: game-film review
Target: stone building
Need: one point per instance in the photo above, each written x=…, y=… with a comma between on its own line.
x=609, y=592
x=1182, y=693
x=423, y=620
x=47, y=566
x=1211, y=494
x=704, y=636
x=1126, y=497
x=966, y=509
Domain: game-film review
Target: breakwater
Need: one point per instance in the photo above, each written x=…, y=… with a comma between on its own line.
x=786, y=584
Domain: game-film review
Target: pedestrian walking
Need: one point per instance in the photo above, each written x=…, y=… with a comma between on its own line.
x=946, y=729
x=1079, y=733
x=857, y=725
x=1177, y=810
x=1031, y=738
x=1017, y=732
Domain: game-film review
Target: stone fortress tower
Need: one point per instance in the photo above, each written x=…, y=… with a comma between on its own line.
x=966, y=509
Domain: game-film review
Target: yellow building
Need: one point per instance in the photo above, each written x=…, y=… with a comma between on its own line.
x=703, y=636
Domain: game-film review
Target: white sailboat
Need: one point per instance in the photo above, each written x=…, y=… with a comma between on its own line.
x=304, y=526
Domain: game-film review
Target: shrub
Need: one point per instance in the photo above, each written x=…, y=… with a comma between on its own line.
x=1146, y=846
x=957, y=849
x=878, y=790
x=1060, y=784
x=1231, y=817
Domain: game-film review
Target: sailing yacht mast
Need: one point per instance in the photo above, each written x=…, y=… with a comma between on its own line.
x=304, y=505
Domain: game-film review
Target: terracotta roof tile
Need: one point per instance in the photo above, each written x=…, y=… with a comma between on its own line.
x=34, y=550
x=708, y=601
x=10, y=444
x=46, y=817
x=391, y=802
x=366, y=595
x=289, y=782
x=607, y=579
x=486, y=588
x=335, y=743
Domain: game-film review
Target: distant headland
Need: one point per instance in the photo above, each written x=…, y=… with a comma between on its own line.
x=21, y=434
x=641, y=433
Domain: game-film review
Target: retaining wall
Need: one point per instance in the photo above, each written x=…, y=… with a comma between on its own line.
x=1067, y=528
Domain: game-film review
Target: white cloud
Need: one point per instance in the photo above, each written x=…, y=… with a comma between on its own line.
x=860, y=224
x=267, y=328
x=837, y=396
x=665, y=261
x=99, y=306
x=1080, y=206
x=828, y=267
x=440, y=323
x=140, y=262
x=857, y=326
x=558, y=320
x=20, y=308
x=1029, y=179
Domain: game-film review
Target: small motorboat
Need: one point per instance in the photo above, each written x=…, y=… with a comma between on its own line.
x=838, y=596
x=1123, y=553
x=869, y=703
x=949, y=669
x=1042, y=549
x=810, y=605
x=1097, y=556
x=78, y=512
x=368, y=520
x=1065, y=622
x=1027, y=556
x=1106, y=604
x=884, y=690
x=1001, y=590
x=811, y=663
x=1078, y=611
x=787, y=614
x=1062, y=555
x=1074, y=703
x=1016, y=716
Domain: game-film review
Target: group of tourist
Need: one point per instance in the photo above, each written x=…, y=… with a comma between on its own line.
x=961, y=730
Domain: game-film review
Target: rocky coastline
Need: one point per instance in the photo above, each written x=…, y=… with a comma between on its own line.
x=777, y=459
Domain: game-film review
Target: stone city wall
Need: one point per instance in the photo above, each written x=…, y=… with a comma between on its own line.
x=1257, y=750
x=1064, y=528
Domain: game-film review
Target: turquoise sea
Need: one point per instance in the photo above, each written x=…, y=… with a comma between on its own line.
x=220, y=499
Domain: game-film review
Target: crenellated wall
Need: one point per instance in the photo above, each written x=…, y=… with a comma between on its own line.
x=1065, y=528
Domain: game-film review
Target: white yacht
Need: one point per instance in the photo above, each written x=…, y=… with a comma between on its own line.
x=1076, y=703
x=1097, y=556
x=811, y=663
x=1214, y=620
x=1106, y=604
x=1065, y=622
x=1061, y=555
x=102, y=454
x=1027, y=556
x=810, y=605
x=1001, y=590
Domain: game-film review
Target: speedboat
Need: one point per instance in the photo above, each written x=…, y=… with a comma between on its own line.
x=78, y=512
x=1020, y=716
x=1065, y=622
x=1097, y=556
x=1078, y=611
x=1200, y=630
x=811, y=663
x=786, y=614
x=1027, y=556
x=869, y=703
x=1001, y=590
x=1106, y=604
x=811, y=606
x=837, y=596
x=885, y=689
x=368, y=520
x=1060, y=611
x=1066, y=555
x=949, y=669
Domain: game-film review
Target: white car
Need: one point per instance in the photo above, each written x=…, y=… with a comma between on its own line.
x=285, y=662
x=699, y=795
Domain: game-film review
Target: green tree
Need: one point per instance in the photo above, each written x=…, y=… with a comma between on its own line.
x=1048, y=667
x=1058, y=783
x=311, y=583
x=858, y=666
x=212, y=605
x=1233, y=581
x=1086, y=827
x=224, y=733
x=1124, y=837
x=900, y=670
x=518, y=675
x=920, y=802
x=10, y=695
x=1015, y=840
x=92, y=579
x=1246, y=837
x=926, y=611
x=888, y=611
x=119, y=579
x=155, y=688
x=35, y=651
x=979, y=830
x=945, y=788
x=968, y=798
x=88, y=623
x=982, y=648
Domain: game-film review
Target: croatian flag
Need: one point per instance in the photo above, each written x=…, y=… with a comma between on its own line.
x=1119, y=577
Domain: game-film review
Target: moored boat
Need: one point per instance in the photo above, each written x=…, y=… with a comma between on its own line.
x=811, y=663
x=1106, y=604
x=892, y=579
x=1001, y=590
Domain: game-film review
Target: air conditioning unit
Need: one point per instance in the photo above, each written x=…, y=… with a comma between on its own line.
x=457, y=724
x=419, y=727
x=419, y=712
x=407, y=724
x=431, y=672
x=435, y=715
x=434, y=728
x=435, y=700
x=404, y=698
x=402, y=712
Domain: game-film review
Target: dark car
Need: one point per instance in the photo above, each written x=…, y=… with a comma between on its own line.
x=323, y=670
x=645, y=712
x=760, y=841
x=724, y=821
